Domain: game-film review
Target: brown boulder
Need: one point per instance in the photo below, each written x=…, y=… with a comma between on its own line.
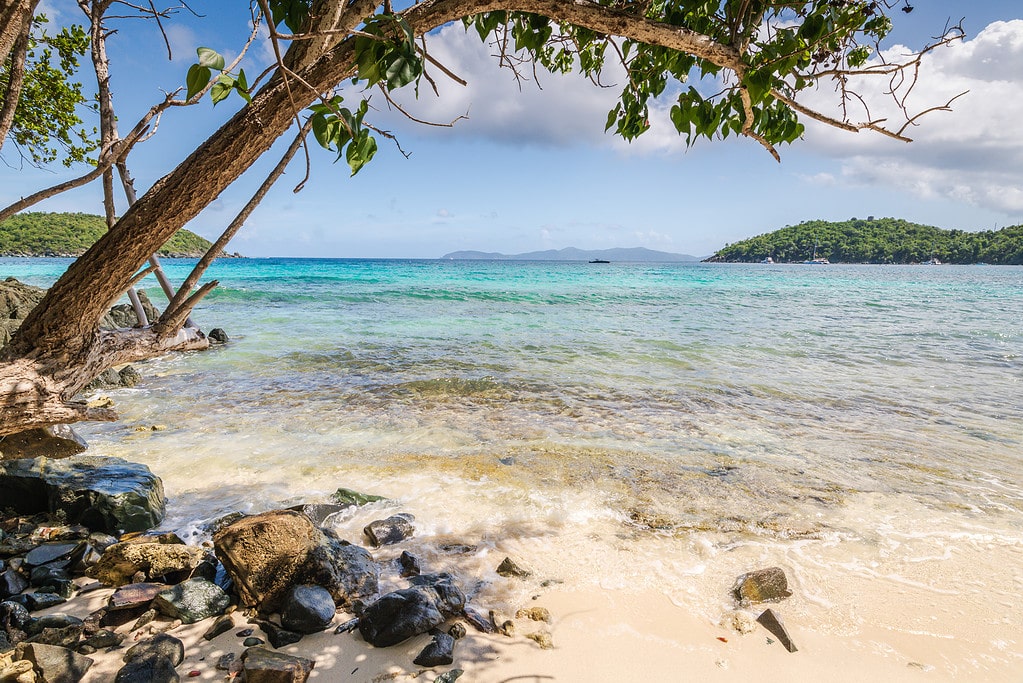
x=121, y=561
x=762, y=585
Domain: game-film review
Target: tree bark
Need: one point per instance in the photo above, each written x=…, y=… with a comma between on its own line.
x=16, y=24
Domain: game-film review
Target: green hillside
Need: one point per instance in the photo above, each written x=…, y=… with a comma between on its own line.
x=70, y=234
x=884, y=240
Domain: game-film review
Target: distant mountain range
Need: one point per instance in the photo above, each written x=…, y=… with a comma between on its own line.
x=634, y=255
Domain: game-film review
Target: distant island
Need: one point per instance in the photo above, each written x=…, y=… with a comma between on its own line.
x=633, y=255
x=70, y=234
x=882, y=240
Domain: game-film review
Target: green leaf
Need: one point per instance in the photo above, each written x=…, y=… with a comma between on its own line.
x=197, y=78
x=210, y=58
x=222, y=88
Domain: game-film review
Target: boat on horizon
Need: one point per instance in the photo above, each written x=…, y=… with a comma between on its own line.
x=599, y=260
x=815, y=260
x=768, y=261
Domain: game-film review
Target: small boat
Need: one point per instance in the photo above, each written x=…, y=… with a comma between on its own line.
x=768, y=261
x=815, y=260
x=599, y=260
x=934, y=262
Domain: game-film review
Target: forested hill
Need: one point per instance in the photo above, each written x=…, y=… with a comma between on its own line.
x=70, y=234
x=884, y=240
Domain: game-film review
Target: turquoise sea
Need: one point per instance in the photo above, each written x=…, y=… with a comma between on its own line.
x=655, y=426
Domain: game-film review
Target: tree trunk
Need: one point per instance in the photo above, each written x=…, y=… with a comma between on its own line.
x=15, y=26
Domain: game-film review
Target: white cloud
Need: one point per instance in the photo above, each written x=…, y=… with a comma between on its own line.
x=973, y=153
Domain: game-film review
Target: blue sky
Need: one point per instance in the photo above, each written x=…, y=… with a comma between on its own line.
x=533, y=169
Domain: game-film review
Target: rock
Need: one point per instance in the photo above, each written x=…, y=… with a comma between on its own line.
x=478, y=621
x=222, y=625
x=502, y=624
x=105, y=494
x=252, y=641
x=508, y=568
x=57, y=441
x=317, y=512
x=128, y=376
x=457, y=630
x=449, y=676
x=104, y=638
x=14, y=620
x=400, y=615
x=123, y=315
x=394, y=529
x=266, y=666
x=56, y=629
x=279, y=637
x=53, y=663
x=762, y=585
x=347, y=626
x=225, y=662
x=11, y=583
x=738, y=621
x=409, y=564
x=146, y=618
x=349, y=498
x=47, y=574
x=21, y=671
x=53, y=552
x=543, y=639
x=151, y=668
x=440, y=652
x=772, y=622
x=307, y=609
x=192, y=600
x=121, y=561
x=39, y=601
x=534, y=614
x=266, y=554
x=217, y=335
x=450, y=598
x=132, y=595
x=161, y=644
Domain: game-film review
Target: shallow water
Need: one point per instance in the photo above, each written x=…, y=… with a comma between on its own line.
x=665, y=426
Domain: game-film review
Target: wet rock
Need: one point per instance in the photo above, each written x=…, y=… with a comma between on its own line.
x=739, y=621
x=161, y=644
x=218, y=336
x=128, y=376
x=122, y=561
x=394, y=529
x=409, y=564
x=268, y=553
x=152, y=668
x=349, y=498
x=105, y=494
x=11, y=583
x=192, y=600
x=440, y=652
x=53, y=663
x=508, y=568
x=266, y=666
x=57, y=441
x=772, y=622
x=399, y=616
x=14, y=620
x=543, y=639
x=762, y=585
x=222, y=625
x=317, y=512
x=307, y=609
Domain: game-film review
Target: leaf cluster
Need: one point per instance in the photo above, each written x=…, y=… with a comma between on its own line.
x=882, y=240
x=200, y=73
x=341, y=130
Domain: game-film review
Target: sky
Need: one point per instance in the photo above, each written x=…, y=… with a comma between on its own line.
x=531, y=168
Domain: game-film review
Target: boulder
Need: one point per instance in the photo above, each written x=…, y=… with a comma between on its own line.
x=53, y=663
x=762, y=585
x=57, y=441
x=103, y=493
x=409, y=564
x=266, y=666
x=450, y=598
x=123, y=315
x=161, y=644
x=268, y=553
x=192, y=600
x=16, y=300
x=440, y=652
x=394, y=529
x=122, y=561
x=400, y=615
x=307, y=609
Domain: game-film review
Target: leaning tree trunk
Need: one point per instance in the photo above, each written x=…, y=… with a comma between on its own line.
x=59, y=348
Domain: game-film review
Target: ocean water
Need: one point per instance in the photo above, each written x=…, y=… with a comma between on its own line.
x=629, y=426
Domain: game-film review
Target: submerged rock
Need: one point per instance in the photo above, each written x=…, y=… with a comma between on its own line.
x=762, y=585
x=103, y=493
x=57, y=441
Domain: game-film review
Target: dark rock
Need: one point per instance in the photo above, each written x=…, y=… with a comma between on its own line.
x=192, y=600
x=763, y=585
x=5, y=643
x=252, y=641
x=394, y=529
x=11, y=583
x=53, y=552
x=39, y=601
x=225, y=662
x=510, y=569
x=67, y=636
x=151, y=668
x=161, y=644
x=772, y=622
x=40, y=576
x=268, y=553
x=409, y=564
x=65, y=588
x=399, y=616
x=110, y=377
x=53, y=663
x=222, y=625
x=279, y=637
x=449, y=676
x=266, y=666
x=348, y=626
x=105, y=494
x=457, y=630
x=440, y=652
x=104, y=638
x=478, y=621
x=101, y=541
x=123, y=315
x=317, y=512
x=133, y=595
x=307, y=609
x=51, y=622
x=349, y=498
x=57, y=441
x=14, y=620
x=218, y=336
x=450, y=598
x=121, y=561
x=129, y=376
x=245, y=632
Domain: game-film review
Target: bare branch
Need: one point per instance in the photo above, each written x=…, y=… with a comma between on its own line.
x=171, y=321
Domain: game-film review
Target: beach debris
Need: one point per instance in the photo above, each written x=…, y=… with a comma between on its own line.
x=772, y=622
x=762, y=585
x=477, y=620
x=449, y=676
x=440, y=651
x=192, y=600
x=266, y=666
x=508, y=568
x=162, y=644
x=542, y=638
x=394, y=529
x=307, y=609
x=738, y=621
x=220, y=626
x=409, y=564
x=349, y=498
x=534, y=614
x=54, y=663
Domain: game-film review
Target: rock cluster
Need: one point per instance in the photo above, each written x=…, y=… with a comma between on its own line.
x=756, y=587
